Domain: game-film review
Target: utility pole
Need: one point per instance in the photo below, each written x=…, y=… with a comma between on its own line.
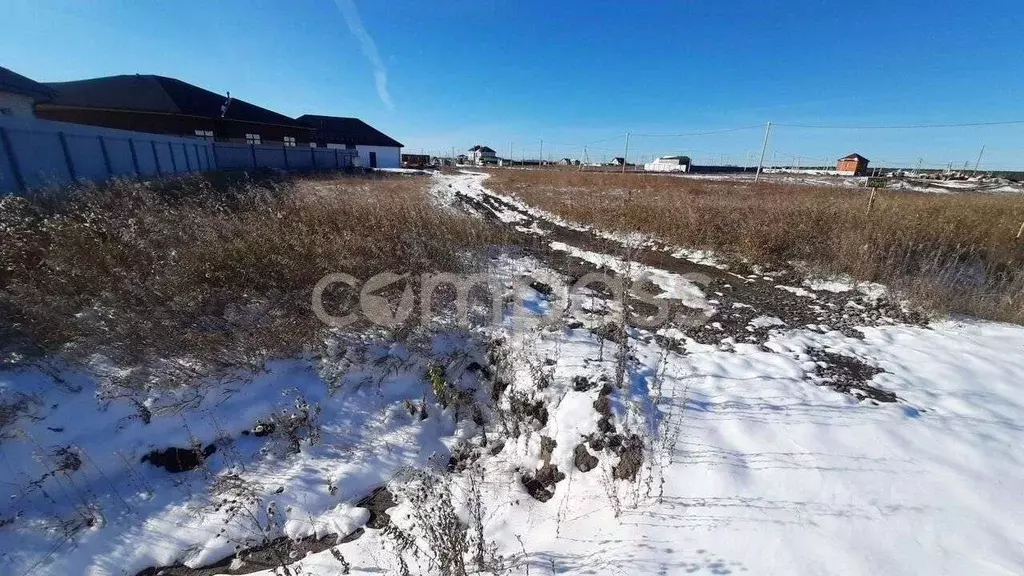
x=625, y=158
x=541, y=151
x=764, y=147
x=510, y=162
x=979, y=160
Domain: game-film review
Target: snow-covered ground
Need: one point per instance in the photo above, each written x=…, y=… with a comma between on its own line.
x=804, y=430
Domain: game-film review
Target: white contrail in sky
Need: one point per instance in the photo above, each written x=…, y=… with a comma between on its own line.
x=355, y=25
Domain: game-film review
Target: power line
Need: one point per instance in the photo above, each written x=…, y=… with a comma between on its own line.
x=705, y=133
x=906, y=127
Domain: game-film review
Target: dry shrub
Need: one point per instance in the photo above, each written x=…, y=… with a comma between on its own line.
x=183, y=278
x=955, y=254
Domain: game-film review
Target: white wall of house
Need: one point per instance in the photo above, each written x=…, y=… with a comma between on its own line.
x=387, y=156
x=478, y=156
x=667, y=165
x=16, y=105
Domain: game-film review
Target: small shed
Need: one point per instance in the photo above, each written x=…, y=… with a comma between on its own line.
x=852, y=165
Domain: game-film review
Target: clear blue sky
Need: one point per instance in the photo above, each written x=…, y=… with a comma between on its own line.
x=457, y=73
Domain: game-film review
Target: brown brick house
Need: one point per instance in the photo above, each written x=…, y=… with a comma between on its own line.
x=161, y=105
x=852, y=165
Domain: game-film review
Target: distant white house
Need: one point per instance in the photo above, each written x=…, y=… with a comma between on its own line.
x=669, y=164
x=19, y=94
x=481, y=155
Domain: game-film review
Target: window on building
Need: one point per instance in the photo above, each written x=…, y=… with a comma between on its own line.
x=312, y=144
x=289, y=140
x=205, y=134
x=253, y=139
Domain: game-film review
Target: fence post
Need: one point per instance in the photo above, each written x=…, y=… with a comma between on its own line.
x=188, y=163
x=106, y=156
x=135, y=157
x=216, y=161
x=284, y=150
x=9, y=149
x=312, y=154
x=252, y=148
x=156, y=159
x=174, y=163
x=1021, y=231
x=67, y=155
x=871, y=200
x=199, y=160
x=336, y=163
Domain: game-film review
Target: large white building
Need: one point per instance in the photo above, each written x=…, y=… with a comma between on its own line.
x=376, y=149
x=669, y=164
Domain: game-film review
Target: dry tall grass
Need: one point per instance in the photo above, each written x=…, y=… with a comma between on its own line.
x=956, y=254
x=191, y=276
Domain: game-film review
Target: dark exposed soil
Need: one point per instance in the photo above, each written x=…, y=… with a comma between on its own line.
x=378, y=502
x=631, y=458
x=850, y=375
x=176, y=460
x=541, y=483
x=583, y=459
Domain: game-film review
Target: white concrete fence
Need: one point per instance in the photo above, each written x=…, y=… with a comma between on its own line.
x=40, y=153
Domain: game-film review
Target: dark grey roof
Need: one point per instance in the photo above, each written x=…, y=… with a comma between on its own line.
x=854, y=156
x=338, y=130
x=150, y=93
x=481, y=148
x=15, y=83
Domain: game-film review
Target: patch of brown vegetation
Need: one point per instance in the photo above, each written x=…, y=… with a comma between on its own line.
x=949, y=253
x=206, y=273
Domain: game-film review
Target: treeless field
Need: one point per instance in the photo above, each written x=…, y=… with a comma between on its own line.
x=957, y=254
x=192, y=275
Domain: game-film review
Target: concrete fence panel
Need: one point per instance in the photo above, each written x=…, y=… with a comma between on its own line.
x=40, y=153
x=233, y=156
x=299, y=158
x=180, y=158
x=164, y=157
x=86, y=157
x=270, y=157
x=120, y=154
x=8, y=179
x=145, y=156
x=40, y=158
x=194, y=161
x=325, y=159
